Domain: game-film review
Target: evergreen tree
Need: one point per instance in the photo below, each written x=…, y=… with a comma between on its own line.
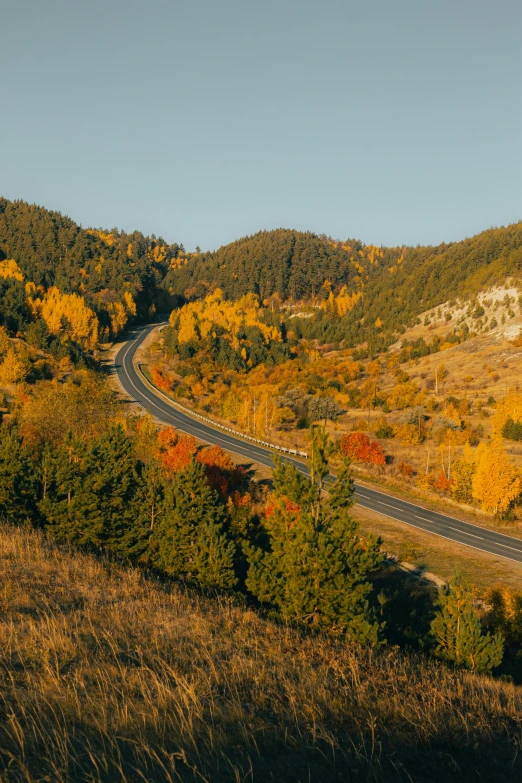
x=458, y=633
x=106, y=502
x=61, y=472
x=149, y=506
x=18, y=485
x=93, y=498
x=214, y=556
x=314, y=567
x=190, y=540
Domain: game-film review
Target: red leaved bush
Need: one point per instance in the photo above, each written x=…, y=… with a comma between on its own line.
x=406, y=469
x=176, y=450
x=442, y=484
x=360, y=448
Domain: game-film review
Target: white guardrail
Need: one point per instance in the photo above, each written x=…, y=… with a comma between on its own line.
x=215, y=424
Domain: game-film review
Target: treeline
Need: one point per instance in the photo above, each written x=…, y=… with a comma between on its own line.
x=290, y=264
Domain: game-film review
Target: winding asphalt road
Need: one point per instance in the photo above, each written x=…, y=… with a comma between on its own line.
x=416, y=516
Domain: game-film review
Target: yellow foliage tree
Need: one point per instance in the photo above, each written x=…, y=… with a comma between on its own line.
x=4, y=341
x=511, y=405
x=407, y=434
x=14, y=368
x=198, y=319
x=404, y=395
x=67, y=314
x=9, y=268
x=346, y=301
x=496, y=482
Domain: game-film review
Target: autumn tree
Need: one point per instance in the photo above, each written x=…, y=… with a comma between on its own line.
x=496, y=483
x=15, y=367
x=462, y=472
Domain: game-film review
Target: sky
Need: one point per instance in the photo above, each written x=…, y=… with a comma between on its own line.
x=389, y=121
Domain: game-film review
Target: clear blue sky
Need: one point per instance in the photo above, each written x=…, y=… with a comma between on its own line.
x=392, y=121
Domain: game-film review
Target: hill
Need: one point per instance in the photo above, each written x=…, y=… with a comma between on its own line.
x=115, y=275
x=358, y=292
x=107, y=675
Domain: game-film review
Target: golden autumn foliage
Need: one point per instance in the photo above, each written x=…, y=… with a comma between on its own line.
x=67, y=314
x=121, y=313
x=496, y=482
x=404, y=395
x=4, y=341
x=106, y=237
x=14, y=368
x=10, y=269
x=343, y=302
x=83, y=405
x=198, y=319
x=511, y=405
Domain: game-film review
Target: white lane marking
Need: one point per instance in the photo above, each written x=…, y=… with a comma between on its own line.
x=465, y=533
x=431, y=521
x=389, y=506
x=510, y=547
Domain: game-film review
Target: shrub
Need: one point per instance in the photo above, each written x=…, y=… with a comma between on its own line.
x=360, y=448
x=406, y=469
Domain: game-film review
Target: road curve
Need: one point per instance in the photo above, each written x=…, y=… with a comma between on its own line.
x=442, y=525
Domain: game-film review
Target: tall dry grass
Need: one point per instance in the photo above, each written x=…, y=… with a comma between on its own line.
x=106, y=676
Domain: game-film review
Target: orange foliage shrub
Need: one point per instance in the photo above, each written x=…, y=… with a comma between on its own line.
x=158, y=379
x=175, y=450
x=221, y=471
x=442, y=484
x=360, y=448
x=406, y=469
x=283, y=504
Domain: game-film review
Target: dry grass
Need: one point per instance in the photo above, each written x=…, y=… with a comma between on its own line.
x=106, y=676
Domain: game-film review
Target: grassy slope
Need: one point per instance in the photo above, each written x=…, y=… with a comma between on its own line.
x=105, y=676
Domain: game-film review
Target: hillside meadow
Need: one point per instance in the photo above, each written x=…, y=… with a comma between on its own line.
x=108, y=675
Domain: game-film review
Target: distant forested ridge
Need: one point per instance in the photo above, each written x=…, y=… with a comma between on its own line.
x=89, y=284
x=364, y=292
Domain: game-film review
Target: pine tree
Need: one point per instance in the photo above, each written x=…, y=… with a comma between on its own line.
x=214, y=556
x=18, y=484
x=314, y=567
x=107, y=500
x=149, y=506
x=93, y=498
x=190, y=540
x=61, y=472
x=458, y=634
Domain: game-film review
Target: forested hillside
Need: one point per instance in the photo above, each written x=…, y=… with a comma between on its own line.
x=356, y=293
x=361, y=292
x=112, y=276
